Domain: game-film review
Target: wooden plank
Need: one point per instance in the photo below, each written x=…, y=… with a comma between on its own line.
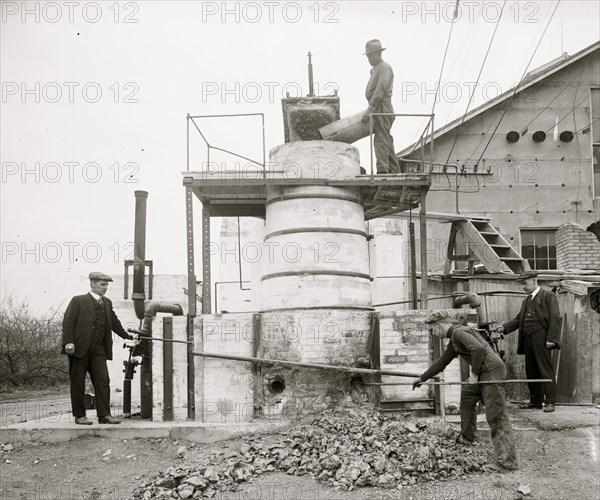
x=257, y=371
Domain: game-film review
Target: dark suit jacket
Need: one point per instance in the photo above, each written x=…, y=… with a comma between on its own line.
x=545, y=306
x=80, y=321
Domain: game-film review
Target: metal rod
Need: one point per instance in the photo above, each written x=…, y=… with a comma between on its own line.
x=514, y=381
x=266, y=361
x=311, y=91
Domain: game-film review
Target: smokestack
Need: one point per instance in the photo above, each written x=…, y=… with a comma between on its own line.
x=139, y=254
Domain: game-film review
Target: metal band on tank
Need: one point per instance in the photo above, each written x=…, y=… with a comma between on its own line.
x=352, y=199
x=349, y=274
x=342, y=230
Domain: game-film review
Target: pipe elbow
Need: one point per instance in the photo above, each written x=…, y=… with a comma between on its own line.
x=470, y=298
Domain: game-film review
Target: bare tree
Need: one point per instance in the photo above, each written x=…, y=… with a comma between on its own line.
x=30, y=346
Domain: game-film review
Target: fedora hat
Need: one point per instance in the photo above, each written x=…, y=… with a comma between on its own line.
x=373, y=46
x=527, y=275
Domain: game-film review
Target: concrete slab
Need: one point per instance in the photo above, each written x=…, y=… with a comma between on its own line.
x=62, y=428
x=564, y=417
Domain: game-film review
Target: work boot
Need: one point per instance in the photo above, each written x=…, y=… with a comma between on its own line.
x=108, y=419
x=549, y=408
x=531, y=406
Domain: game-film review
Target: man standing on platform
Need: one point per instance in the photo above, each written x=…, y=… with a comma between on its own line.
x=87, y=340
x=539, y=325
x=379, y=96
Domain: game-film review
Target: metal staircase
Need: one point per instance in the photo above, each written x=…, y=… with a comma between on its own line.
x=484, y=244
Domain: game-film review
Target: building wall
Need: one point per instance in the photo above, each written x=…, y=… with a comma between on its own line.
x=529, y=184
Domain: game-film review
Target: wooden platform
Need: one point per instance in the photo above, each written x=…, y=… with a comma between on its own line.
x=235, y=193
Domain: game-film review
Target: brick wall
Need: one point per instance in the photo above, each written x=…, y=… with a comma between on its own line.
x=576, y=248
x=329, y=336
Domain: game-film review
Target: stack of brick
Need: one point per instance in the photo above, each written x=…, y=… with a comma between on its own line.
x=576, y=248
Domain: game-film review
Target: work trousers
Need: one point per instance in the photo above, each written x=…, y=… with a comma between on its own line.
x=538, y=364
x=496, y=415
x=94, y=363
x=383, y=141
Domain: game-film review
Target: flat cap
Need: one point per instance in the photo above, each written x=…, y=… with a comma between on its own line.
x=98, y=276
x=437, y=316
x=527, y=275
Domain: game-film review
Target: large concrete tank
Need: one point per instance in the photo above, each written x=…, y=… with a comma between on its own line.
x=316, y=250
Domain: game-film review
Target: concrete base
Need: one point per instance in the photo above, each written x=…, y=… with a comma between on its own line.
x=64, y=429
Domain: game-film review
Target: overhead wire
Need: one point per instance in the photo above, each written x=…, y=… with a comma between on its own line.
x=455, y=15
x=518, y=84
x=477, y=81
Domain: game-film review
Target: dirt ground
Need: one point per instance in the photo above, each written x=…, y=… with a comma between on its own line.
x=562, y=464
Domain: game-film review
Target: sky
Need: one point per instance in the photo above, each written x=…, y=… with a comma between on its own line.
x=95, y=97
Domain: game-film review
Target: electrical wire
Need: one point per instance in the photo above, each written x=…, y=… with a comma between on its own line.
x=519, y=84
x=477, y=82
x=444, y=59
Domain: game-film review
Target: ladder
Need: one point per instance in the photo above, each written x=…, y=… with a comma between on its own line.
x=486, y=245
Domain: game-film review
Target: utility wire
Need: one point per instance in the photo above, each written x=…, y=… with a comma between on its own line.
x=519, y=84
x=440, y=77
x=445, y=54
x=477, y=82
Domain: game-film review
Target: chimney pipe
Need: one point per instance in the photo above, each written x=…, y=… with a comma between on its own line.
x=139, y=254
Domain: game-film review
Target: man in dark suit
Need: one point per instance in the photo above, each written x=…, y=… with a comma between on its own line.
x=87, y=340
x=539, y=325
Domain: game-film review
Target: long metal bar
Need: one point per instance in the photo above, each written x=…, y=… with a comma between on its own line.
x=225, y=116
x=239, y=156
x=266, y=361
x=513, y=381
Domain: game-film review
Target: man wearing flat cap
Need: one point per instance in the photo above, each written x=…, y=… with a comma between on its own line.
x=379, y=96
x=486, y=365
x=539, y=325
x=87, y=340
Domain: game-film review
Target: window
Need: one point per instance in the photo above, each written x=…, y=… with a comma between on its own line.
x=538, y=247
x=595, y=105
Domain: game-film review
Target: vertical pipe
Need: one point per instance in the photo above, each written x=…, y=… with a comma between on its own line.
x=423, y=234
x=168, y=369
x=191, y=369
x=413, y=266
x=126, y=397
x=139, y=253
x=311, y=87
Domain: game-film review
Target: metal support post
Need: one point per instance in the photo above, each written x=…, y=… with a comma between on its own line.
x=167, y=369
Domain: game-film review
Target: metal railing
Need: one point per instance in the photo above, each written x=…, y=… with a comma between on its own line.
x=425, y=133
x=209, y=146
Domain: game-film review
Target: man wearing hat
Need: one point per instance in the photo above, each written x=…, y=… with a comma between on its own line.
x=485, y=365
x=87, y=340
x=379, y=96
x=539, y=325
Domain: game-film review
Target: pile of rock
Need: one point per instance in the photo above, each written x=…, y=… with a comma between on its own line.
x=344, y=449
